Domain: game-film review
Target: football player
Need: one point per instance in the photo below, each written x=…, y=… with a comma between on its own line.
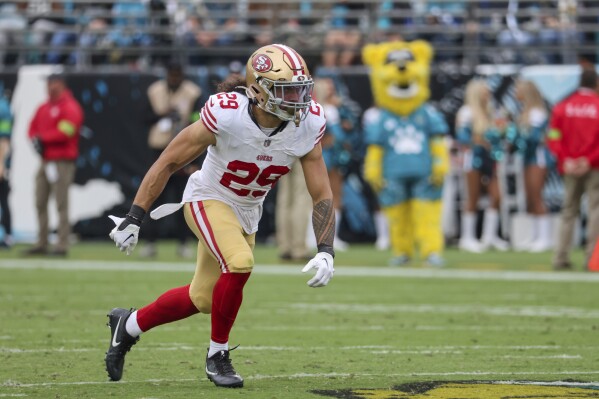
x=253, y=134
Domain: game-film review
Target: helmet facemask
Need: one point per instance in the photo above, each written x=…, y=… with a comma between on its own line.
x=287, y=100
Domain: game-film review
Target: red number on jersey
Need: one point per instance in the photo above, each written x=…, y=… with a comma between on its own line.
x=315, y=109
x=268, y=177
x=234, y=166
x=228, y=100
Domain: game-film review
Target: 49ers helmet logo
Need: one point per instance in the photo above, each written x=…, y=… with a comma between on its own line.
x=262, y=63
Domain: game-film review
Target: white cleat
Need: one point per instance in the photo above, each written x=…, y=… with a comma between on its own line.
x=340, y=245
x=382, y=244
x=497, y=244
x=471, y=245
x=539, y=246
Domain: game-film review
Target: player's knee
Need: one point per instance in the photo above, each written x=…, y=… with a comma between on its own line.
x=241, y=262
x=202, y=301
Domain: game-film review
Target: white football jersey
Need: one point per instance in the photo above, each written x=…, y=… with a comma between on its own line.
x=245, y=163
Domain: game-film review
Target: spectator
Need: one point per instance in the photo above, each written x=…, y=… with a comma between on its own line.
x=93, y=36
x=172, y=103
x=198, y=34
x=292, y=214
x=343, y=38
x=128, y=30
x=45, y=20
x=531, y=127
x=64, y=35
x=159, y=23
x=12, y=21
x=574, y=140
x=333, y=148
x=479, y=133
x=444, y=20
x=54, y=132
x=5, y=132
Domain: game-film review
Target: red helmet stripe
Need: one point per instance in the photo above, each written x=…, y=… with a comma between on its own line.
x=294, y=58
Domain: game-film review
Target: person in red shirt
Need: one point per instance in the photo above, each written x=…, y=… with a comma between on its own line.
x=574, y=140
x=54, y=132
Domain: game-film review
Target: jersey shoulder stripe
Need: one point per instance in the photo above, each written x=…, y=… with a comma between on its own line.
x=209, y=121
x=316, y=121
x=321, y=134
x=223, y=109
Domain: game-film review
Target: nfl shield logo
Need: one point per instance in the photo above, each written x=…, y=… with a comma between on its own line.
x=267, y=142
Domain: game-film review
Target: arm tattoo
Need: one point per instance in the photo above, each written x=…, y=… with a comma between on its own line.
x=323, y=219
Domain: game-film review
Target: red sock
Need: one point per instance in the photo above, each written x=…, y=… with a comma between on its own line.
x=226, y=301
x=171, y=306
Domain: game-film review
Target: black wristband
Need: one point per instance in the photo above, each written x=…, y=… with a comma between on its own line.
x=326, y=248
x=136, y=215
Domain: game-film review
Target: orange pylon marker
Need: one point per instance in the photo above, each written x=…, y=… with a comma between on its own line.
x=594, y=261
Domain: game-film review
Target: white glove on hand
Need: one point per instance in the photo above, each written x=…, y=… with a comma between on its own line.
x=125, y=239
x=323, y=263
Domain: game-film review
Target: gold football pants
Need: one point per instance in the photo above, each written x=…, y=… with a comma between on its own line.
x=223, y=247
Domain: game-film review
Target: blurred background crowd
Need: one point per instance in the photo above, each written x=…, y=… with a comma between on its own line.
x=199, y=32
x=489, y=57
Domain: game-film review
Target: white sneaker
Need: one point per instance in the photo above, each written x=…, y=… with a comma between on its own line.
x=340, y=245
x=539, y=246
x=382, y=243
x=148, y=251
x=470, y=245
x=525, y=246
x=498, y=244
x=185, y=251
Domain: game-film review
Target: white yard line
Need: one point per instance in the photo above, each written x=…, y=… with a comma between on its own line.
x=341, y=271
x=562, y=356
x=527, y=311
x=15, y=384
x=374, y=349
x=45, y=350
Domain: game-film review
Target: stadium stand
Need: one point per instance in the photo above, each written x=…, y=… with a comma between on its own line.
x=141, y=34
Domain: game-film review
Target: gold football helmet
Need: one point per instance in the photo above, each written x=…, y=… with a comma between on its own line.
x=278, y=79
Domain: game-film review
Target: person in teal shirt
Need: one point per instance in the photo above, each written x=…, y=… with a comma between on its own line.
x=528, y=138
x=6, y=120
x=480, y=130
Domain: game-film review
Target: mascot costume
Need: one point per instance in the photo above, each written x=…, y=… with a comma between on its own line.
x=407, y=157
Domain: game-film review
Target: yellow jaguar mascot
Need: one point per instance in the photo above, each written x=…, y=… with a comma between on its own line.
x=407, y=157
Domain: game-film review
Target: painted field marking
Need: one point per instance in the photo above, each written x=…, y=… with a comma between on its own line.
x=15, y=384
x=562, y=356
x=527, y=311
x=349, y=271
x=374, y=349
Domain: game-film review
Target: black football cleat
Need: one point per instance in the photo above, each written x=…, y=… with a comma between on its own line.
x=220, y=371
x=120, y=342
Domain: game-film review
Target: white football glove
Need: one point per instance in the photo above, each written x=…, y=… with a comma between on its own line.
x=323, y=263
x=125, y=239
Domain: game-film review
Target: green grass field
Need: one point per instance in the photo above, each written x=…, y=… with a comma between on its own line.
x=493, y=317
